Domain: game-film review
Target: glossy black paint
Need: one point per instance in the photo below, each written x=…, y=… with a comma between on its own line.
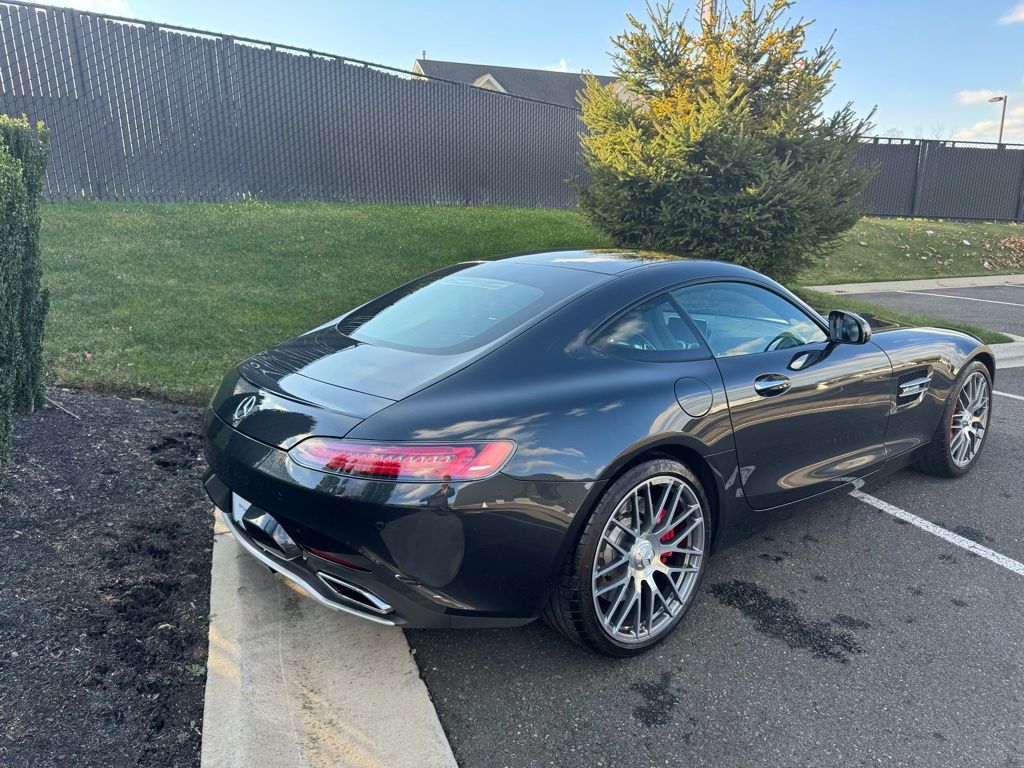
x=487, y=552
x=827, y=427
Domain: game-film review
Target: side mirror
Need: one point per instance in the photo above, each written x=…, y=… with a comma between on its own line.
x=847, y=328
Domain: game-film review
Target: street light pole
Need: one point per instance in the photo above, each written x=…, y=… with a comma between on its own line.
x=1002, y=120
x=709, y=11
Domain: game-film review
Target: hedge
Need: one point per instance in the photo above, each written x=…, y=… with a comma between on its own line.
x=24, y=149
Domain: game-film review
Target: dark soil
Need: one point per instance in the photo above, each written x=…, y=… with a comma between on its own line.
x=105, y=546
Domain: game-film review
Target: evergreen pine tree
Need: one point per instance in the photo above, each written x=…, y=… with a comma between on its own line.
x=715, y=145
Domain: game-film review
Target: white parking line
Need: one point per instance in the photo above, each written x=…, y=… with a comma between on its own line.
x=1007, y=394
x=971, y=546
x=962, y=298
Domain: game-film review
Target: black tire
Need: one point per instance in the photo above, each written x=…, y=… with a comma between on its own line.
x=937, y=458
x=571, y=609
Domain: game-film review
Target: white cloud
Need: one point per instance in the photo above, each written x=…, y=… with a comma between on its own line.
x=988, y=130
x=1015, y=16
x=561, y=66
x=976, y=97
x=108, y=7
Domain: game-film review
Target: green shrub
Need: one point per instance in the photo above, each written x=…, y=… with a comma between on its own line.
x=715, y=145
x=23, y=301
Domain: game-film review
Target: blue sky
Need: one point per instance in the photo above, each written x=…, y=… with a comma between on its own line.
x=928, y=65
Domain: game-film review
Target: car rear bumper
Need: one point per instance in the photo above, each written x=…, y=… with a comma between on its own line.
x=302, y=575
x=485, y=554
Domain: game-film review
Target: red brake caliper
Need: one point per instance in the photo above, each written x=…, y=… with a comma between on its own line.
x=668, y=534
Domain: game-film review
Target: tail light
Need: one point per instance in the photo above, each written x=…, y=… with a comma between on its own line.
x=414, y=462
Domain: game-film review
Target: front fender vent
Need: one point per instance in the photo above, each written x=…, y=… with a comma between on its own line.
x=912, y=385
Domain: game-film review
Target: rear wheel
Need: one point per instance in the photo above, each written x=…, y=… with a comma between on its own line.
x=961, y=433
x=638, y=563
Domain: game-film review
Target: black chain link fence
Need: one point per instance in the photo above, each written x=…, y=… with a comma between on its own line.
x=150, y=112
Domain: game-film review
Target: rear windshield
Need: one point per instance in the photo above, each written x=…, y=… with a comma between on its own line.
x=463, y=308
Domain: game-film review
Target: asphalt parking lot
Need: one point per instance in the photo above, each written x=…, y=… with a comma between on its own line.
x=841, y=635
x=999, y=307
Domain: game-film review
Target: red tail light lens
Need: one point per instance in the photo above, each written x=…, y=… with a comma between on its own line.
x=338, y=560
x=414, y=462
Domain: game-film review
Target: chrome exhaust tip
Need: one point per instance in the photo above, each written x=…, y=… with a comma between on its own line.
x=354, y=595
x=264, y=530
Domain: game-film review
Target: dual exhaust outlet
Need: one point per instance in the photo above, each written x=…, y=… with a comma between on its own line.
x=268, y=535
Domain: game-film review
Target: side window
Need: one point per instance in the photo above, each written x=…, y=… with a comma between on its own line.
x=650, y=331
x=744, y=319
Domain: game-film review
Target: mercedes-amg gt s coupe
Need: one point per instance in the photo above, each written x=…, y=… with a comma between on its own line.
x=569, y=434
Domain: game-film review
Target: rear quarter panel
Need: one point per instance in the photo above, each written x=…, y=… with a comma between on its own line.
x=576, y=414
x=572, y=411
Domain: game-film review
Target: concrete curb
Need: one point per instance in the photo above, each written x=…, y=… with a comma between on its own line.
x=979, y=281
x=291, y=683
x=1009, y=355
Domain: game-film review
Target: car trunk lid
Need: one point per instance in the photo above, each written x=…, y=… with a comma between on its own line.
x=323, y=383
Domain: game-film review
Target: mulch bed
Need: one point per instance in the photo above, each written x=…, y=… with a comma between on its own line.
x=105, y=547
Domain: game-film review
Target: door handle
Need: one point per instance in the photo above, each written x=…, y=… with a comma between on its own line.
x=770, y=384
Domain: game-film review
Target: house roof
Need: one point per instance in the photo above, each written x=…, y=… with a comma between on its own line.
x=540, y=84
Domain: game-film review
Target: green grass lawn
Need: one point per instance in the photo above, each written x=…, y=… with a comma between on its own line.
x=162, y=299
x=908, y=249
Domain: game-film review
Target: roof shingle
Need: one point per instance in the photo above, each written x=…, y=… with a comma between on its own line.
x=540, y=84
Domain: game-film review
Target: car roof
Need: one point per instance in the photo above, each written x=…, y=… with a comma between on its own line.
x=611, y=261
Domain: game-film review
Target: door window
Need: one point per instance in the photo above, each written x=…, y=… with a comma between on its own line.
x=744, y=319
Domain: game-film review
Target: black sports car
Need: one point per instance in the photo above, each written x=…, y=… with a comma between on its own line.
x=568, y=434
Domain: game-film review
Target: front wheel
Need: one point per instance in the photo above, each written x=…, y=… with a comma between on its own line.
x=638, y=563
x=961, y=433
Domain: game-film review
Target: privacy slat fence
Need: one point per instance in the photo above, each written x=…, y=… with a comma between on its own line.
x=944, y=179
x=149, y=112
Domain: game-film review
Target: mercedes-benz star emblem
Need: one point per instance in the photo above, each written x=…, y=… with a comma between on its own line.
x=244, y=408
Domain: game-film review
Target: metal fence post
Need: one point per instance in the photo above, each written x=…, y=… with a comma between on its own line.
x=85, y=181
x=915, y=196
x=1020, y=197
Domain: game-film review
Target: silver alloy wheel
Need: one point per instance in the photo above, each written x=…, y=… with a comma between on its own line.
x=649, y=559
x=970, y=420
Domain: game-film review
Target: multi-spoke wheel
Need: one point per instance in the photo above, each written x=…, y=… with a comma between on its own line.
x=638, y=562
x=961, y=432
x=970, y=419
x=647, y=563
